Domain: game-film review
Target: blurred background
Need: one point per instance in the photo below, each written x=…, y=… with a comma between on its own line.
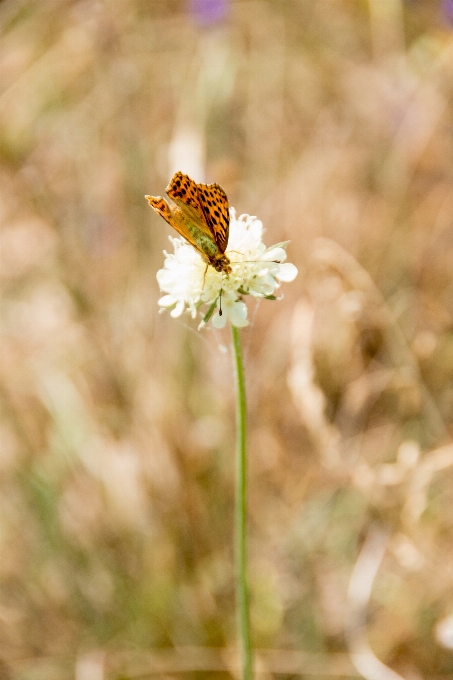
x=333, y=122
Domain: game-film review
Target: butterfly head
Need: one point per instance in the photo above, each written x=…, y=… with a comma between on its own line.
x=221, y=264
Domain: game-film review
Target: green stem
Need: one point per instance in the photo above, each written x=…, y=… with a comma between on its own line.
x=242, y=594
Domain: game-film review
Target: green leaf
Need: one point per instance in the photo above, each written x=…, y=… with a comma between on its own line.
x=210, y=312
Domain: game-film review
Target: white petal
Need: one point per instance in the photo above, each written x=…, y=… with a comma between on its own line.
x=219, y=321
x=266, y=284
x=256, y=229
x=238, y=314
x=178, y=310
x=165, y=279
x=275, y=254
x=240, y=323
x=166, y=301
x=286, y=272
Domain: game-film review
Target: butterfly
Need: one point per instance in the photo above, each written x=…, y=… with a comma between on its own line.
x=201, y=215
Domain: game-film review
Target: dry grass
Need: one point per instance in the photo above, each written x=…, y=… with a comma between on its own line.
x=332, y=121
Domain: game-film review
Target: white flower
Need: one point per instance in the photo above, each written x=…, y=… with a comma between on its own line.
x=189, y=285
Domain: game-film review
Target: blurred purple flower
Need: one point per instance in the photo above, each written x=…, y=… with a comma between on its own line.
x=447, y=10
x=208, y=11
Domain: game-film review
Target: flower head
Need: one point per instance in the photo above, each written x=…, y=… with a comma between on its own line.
x=190, y=285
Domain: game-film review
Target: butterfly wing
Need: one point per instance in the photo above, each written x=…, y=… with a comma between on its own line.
x=184, y=192
x=162, y=208
x=205, y=204
x=214, y=203
x=174, y=219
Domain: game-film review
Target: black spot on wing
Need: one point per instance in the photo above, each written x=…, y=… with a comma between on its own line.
x=214, y=203
x=160, y=205
x=183, y=189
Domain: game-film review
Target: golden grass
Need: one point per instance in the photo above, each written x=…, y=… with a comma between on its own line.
x=331, y=121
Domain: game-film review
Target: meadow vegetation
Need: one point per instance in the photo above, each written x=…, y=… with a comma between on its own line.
x=332, y=121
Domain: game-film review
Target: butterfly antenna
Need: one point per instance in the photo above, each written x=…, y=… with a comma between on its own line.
x=255, y=261
x=220, y=302
x=252, y=261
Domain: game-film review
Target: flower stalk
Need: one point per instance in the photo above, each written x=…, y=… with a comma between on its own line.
x=201, y=277
x=242, y=591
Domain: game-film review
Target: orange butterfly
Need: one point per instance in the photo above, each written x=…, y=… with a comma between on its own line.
x=202, y=216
